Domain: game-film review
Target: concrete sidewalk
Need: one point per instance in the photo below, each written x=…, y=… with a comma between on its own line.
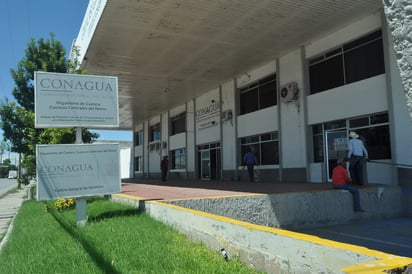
x=9, y=206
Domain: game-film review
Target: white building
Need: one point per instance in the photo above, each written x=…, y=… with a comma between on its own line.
x=202, y=81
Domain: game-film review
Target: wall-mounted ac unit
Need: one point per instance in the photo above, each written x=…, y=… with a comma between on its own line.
x=227, y=115
x=289, y=92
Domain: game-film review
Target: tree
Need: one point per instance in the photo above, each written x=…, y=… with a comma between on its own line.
x=18, y=118
x=45, y=55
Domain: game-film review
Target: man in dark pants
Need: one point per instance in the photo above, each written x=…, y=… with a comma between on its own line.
x=164, y=167
x=250, y=161
x=357, y=154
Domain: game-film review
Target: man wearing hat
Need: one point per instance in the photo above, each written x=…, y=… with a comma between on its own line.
x=340, y=180
x=357, y=154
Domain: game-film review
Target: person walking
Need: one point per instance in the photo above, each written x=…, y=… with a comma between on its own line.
x=164, y=167
x=249, y=159
x=357, y=155
x=340, y=180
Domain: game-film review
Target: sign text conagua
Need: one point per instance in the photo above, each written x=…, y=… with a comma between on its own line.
x=72, y=100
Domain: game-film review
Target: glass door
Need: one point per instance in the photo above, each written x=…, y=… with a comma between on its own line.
x=205, y=164
x=336, y=147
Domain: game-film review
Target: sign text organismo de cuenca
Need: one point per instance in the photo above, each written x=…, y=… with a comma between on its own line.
x=72, y=100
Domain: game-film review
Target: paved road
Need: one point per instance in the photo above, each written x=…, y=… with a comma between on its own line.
x=6, y=185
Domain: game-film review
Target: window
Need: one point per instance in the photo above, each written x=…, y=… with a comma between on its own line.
x=354, y=61
x=139, y=138
x=258, y=95
x=155, y=133
x=317, y=132
x=265, y=147
x=179, y=159
x=375, y=135
x=372, y=129
x=138, y=163
x=178, y=123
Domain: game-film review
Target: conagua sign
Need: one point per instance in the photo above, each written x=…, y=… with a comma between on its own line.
x=74, y=100
x=77, y=170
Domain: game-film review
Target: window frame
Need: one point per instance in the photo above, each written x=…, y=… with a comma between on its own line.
x=254, y=96
x=154, y=133
x=178, y=124
x=331, y=76
x=180, y=158
x=255, y=143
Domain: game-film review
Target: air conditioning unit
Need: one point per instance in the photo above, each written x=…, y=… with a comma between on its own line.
x=289, y=92
x=227, y=115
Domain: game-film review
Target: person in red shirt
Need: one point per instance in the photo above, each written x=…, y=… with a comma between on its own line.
x=340, y=180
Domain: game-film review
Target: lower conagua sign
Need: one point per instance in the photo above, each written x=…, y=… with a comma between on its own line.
x=77, y=170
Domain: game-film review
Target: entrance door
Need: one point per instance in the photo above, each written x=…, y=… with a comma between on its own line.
x=205, y=164
x=336, y=147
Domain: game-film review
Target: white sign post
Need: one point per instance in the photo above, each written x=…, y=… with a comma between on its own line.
x=80, y=170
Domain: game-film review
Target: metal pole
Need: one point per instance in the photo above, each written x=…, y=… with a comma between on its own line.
x=81, y=203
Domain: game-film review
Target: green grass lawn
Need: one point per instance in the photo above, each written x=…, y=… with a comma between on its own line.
x=116, y=239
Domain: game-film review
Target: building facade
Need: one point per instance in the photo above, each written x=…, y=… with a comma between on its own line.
x=294, y=112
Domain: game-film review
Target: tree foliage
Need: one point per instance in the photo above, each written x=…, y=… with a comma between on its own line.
x=18, y=126
x=43, y=55
x=18, y=118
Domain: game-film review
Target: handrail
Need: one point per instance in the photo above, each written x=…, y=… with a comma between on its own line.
x=391, y=164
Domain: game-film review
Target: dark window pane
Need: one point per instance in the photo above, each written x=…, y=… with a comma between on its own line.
x=377, y=142
x=317, y=129
x=139, y=138
x=266, y=137
x=318, y=148
x=361, y=122
x=155, y=133
x=379, y=118
x=250, y=139
x=178, y=124
x=326, y=75
x=269, y=153
x=363, y=40
x=249, y=101
x=267, y=95
x=364, y=62
x=335, y=124
x=333, y=52
x=138, y=164
x=316, y=59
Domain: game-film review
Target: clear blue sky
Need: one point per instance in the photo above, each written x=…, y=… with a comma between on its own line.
x=21, y=20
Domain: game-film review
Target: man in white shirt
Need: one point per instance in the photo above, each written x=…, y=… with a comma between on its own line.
x=357, y=154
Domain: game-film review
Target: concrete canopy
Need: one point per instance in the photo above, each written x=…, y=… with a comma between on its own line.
x=166, y=53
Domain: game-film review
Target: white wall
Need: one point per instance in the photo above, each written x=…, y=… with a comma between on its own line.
x=402, y=123
x=228, y=127
x=292, y=127
x=258, y=122
x=359, y=98
x=190, y=149
x=208, y=123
